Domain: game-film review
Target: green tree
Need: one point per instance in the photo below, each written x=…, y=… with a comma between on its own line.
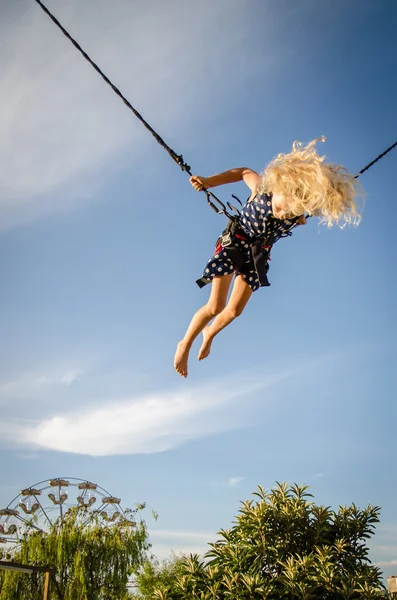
x=93, y=559
x=159, y=580
x=281, y=545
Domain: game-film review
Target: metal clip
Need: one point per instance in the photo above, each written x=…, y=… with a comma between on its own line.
x=226, y=240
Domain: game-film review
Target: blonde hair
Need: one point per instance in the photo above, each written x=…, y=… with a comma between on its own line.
x=310, y=186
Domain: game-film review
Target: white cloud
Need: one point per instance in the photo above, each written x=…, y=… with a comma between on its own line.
x=153, y=423
x=84, y=421
x=169, y=535
x=230, y=482
x=165, y=551
x=387, y=563
x=234, y=481
x=62, y=129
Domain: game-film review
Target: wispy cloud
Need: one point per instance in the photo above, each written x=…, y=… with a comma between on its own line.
x=152, y=423
x=384, y=547
x=29, y=386
x=62, y=130
x=137, y=425
x=169, y=535
x=166, y=542
x=28, y=456
x=387, y=563
x=165, y=551
x=234, y=481
x=231, y=482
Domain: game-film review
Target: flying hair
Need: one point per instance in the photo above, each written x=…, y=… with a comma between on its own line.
x=312, y=187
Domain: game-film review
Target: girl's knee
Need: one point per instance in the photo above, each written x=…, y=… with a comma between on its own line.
x=235, y=311
x=214, y=308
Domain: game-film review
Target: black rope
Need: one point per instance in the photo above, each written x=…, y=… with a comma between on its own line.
x=178, y=158
x=216, y=204
x=376, y=160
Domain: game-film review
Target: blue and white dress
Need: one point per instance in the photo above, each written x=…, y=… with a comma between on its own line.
x=256, y=221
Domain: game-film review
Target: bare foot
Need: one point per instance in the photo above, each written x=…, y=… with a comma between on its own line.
x=206, y=345
x=181, y=358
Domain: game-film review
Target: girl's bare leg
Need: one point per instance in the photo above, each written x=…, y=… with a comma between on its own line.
x=216, y=303
x=240, y=295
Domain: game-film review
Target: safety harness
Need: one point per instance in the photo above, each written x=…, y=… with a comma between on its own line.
x=260, y=246
x=259, y=250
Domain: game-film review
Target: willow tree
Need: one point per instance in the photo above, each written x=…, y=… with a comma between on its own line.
x=93, y=558
x=282, y=545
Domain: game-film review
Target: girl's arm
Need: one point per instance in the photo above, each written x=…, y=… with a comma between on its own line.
x=232, y=176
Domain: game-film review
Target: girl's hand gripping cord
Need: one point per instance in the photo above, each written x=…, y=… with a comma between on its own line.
x=198, y=182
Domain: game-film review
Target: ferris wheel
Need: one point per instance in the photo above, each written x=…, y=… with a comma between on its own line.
x=40, y=505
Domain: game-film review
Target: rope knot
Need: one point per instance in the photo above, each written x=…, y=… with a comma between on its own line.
x=179, y=160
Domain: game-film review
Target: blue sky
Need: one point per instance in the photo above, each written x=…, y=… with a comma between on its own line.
x=102, y=238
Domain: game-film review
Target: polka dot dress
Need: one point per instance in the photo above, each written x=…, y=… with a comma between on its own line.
x=256, y=220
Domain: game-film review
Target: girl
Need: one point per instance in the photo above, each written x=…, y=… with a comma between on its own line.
x=291, y=186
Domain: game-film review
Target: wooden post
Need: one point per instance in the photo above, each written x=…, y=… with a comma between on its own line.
x=46, y=585
x=12, y=566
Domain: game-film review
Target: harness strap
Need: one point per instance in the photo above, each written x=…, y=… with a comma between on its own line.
x=260, y=255
x=260, y=258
